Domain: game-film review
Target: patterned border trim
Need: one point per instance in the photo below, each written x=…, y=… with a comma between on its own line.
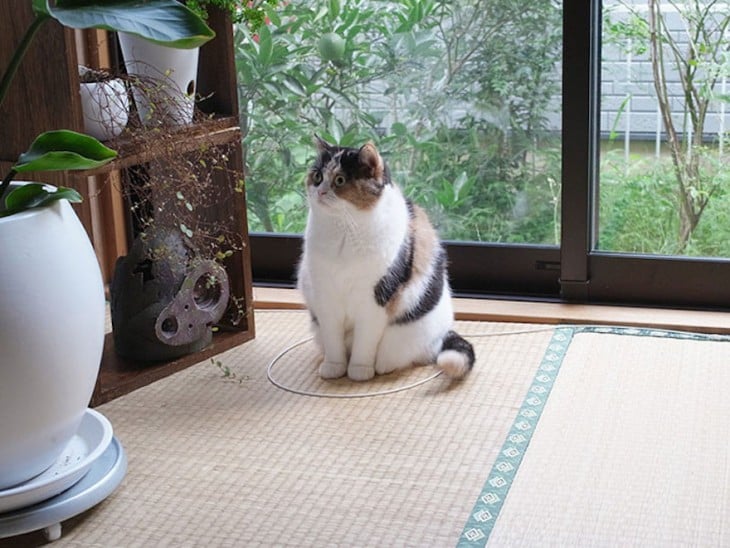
x=490, y=501
x=489, y=504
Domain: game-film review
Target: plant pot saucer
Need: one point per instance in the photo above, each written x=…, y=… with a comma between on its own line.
x=102, y=478
x=91, y=440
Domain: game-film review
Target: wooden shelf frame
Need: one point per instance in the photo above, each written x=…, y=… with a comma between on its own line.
x=31, y=109
x=118, y=376
x=214, y=131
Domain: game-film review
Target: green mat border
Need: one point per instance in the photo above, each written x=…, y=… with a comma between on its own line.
x=499, y=481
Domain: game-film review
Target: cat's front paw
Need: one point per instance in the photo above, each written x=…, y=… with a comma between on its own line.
x=332, y=370
x=358, y=372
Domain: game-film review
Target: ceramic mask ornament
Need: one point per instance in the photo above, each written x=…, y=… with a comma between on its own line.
x=165, y=300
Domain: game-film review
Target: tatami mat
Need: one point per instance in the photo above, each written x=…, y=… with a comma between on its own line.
x=236, y=461
x=565, y=436
x=632, y=448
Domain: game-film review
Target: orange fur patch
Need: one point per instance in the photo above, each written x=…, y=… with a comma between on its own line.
x=425, y=242
x=370, y=157
x=362, y=193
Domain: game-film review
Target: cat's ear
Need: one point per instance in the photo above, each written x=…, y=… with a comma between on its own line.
x=369, y=157
x=322, y=145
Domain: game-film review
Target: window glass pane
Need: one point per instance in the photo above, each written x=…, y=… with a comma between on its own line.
x=665, y=167
x=462, y=98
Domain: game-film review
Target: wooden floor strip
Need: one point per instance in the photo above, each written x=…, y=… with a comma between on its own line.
x=494, y=310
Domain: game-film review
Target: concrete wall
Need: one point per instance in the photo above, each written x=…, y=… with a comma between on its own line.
x=627, y=80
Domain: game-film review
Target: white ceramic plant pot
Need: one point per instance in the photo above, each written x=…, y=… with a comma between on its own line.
x=51, y=336
x=105, y=106
x=168, y=79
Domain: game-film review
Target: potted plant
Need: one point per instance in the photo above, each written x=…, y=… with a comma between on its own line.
x=167, y=76
x=164, y=80
x=51, y=293
x=104, y=103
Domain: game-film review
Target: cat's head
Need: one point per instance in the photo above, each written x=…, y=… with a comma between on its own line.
x=346, y=176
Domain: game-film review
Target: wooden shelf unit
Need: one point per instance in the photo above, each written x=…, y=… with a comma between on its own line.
x=118, y=376
x=214, y=131
x=45, y=96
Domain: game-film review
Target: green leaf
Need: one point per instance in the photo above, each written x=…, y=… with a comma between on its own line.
x=334, y=9
x=41, y=7
x=165, y=22
x=266, y=46
x=63, y=149
x=622, y=107
x=459, y=185
x=399, y=129
x=36, y=195
x=273, y=16
x=294, y=86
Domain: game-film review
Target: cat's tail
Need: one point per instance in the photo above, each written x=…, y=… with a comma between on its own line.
x=457, y=357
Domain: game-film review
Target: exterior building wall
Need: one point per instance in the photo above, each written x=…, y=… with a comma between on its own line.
x=628, y=97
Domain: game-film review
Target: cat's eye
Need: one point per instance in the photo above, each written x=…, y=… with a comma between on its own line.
x=317, y=177
x=339, y=180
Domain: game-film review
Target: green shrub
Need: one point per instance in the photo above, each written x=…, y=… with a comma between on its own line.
x=483, y=174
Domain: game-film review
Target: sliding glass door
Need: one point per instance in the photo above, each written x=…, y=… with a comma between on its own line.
x=466, y=111
x=521, y=127
x=663, y=190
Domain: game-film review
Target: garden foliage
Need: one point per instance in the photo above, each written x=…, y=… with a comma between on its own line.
x=461, y=98
x=685, y=189
x=452, y=93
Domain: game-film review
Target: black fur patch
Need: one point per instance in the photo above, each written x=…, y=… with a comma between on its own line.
x=322, y=160
x=387, y=181
x=400, y=271
x=350, y=164
x=454, y=341
x=409, y=205
x=432, y=295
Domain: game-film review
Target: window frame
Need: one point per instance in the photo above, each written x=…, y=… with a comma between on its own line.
x=575, y=271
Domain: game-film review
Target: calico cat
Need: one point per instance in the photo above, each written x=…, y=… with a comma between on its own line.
x=373, y=272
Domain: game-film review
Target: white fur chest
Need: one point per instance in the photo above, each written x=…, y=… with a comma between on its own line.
x=347, y=251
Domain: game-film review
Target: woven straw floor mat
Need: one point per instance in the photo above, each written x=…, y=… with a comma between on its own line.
x=589, y=437
x=632, y=449
x=235, y=461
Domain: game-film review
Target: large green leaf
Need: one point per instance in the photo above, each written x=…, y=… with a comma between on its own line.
x=64, y=149
x=41, y=7
x=36, y=195
x=165, y=22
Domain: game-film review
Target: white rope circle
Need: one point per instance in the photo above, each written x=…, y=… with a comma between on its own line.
x=278, y=384
x=282, y=386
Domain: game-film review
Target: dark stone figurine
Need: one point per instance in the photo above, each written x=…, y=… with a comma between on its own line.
x=164, y=300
